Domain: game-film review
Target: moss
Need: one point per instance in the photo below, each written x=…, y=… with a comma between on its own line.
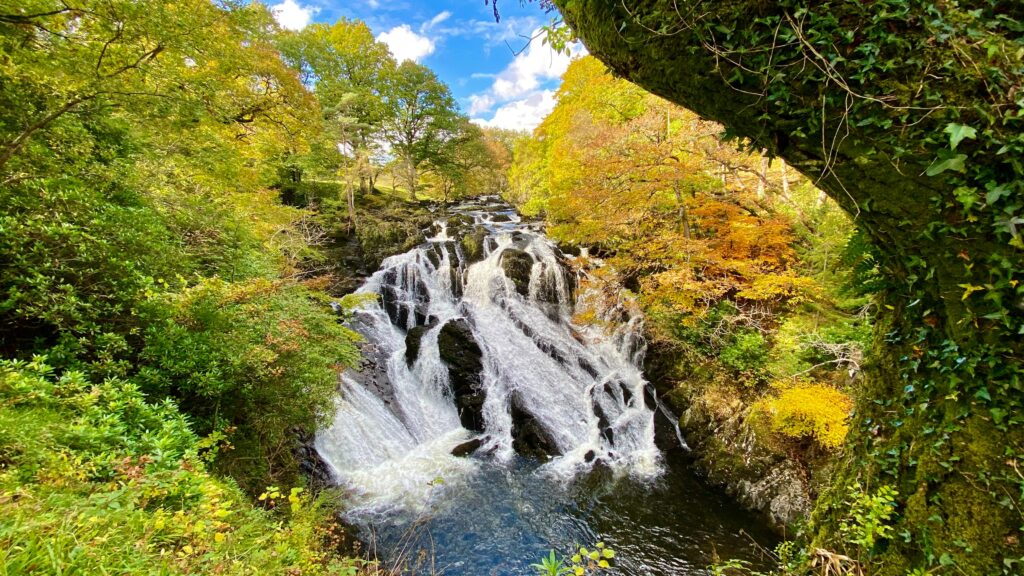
x=473, y=245
x=942, y=371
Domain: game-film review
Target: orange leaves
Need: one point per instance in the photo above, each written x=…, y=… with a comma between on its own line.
x=653, y=186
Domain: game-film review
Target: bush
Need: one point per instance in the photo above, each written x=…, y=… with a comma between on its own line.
x=96, y=480
x=256, y=358
x=808, y=411
x=747, y=352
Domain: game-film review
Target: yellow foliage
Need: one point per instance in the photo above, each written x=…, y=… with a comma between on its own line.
x=808, y=411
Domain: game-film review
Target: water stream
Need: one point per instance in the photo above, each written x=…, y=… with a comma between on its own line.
x=471, y=348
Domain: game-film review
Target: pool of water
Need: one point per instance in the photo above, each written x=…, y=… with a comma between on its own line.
x=507, y=516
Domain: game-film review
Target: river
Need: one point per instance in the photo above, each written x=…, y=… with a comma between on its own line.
x=471, y=348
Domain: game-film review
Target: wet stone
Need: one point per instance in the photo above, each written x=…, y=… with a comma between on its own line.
x=467, y=448
x=464, y=359
x=518, y=265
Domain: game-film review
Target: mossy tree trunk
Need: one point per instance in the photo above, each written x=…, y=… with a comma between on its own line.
x=908, y=114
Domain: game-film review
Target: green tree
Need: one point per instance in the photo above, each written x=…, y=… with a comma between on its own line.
x=422, y=119
x=348, y=70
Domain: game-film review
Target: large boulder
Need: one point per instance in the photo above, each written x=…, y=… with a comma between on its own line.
x=464, y=359
x=529, y=438
x=473, y=245
x=517, y=266
x=413, y=340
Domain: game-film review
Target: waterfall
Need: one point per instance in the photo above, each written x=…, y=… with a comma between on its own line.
x=471, y=338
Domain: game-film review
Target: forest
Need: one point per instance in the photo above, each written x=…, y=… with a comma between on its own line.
x=747, y=301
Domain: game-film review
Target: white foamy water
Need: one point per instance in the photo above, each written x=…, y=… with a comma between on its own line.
x=390, y=445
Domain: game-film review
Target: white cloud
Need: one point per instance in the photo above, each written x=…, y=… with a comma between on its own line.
x=292, y=15
x=525, y=75
x=539, y=62
x=406, y=44
x=436, y=20
x=523, y=114
x=479, y=103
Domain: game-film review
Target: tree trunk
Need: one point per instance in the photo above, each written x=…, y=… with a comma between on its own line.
x=940, y=415
x=411, y=177
x=762, y=176
x=9, y=149
x=785, y=177
x=681, y=216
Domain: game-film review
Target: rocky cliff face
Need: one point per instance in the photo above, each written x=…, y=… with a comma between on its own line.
x=730, y=452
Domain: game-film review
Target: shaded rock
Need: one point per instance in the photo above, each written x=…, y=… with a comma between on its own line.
x=569, y=249
x=650, y=399
x=759, y=475
x=413, y=340
x=464, y=359
x=627, y=394
x=529, y=438
x=498, y=218
x=311, y=465
x=517, y=266
x=467, y=448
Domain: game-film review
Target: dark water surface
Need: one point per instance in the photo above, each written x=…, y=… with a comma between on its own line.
x=509, y=516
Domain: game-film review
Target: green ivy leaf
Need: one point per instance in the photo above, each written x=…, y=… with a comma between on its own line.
x=958, y=132
x=995, y=193
x=945, y=162
x=966, y=196
x=998, y=414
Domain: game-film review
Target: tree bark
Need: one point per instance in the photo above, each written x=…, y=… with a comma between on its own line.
x=785, y=177
x=411, y=178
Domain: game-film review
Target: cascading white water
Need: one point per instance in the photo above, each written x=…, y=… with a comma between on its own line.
x=390, y=445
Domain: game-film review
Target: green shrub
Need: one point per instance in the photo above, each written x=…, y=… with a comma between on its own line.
x=255, y=359
x=869, y=515
x=747, y=353
x=96, y=480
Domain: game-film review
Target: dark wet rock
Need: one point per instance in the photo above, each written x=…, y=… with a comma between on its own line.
x=311, y=465
x=650, y=398
x=499, y=218
x=372, y=371
x=395, y=308
x=569, y=249
x=604, y=423
x=589, y=456
x=588, y=367
x=467, y=448
x=529, y=438
x=435, y=254
x=464, y=359
x=413, y=340
x=517, y=266
x=627, y=394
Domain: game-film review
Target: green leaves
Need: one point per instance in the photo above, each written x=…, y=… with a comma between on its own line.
x=947, y=160
x=958, y=132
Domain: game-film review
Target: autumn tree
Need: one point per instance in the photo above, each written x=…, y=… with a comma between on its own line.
x=906, y=113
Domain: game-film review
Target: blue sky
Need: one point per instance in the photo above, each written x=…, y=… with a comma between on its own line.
x=497, y=75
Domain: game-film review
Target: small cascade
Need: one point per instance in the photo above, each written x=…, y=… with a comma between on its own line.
x=472, y=340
